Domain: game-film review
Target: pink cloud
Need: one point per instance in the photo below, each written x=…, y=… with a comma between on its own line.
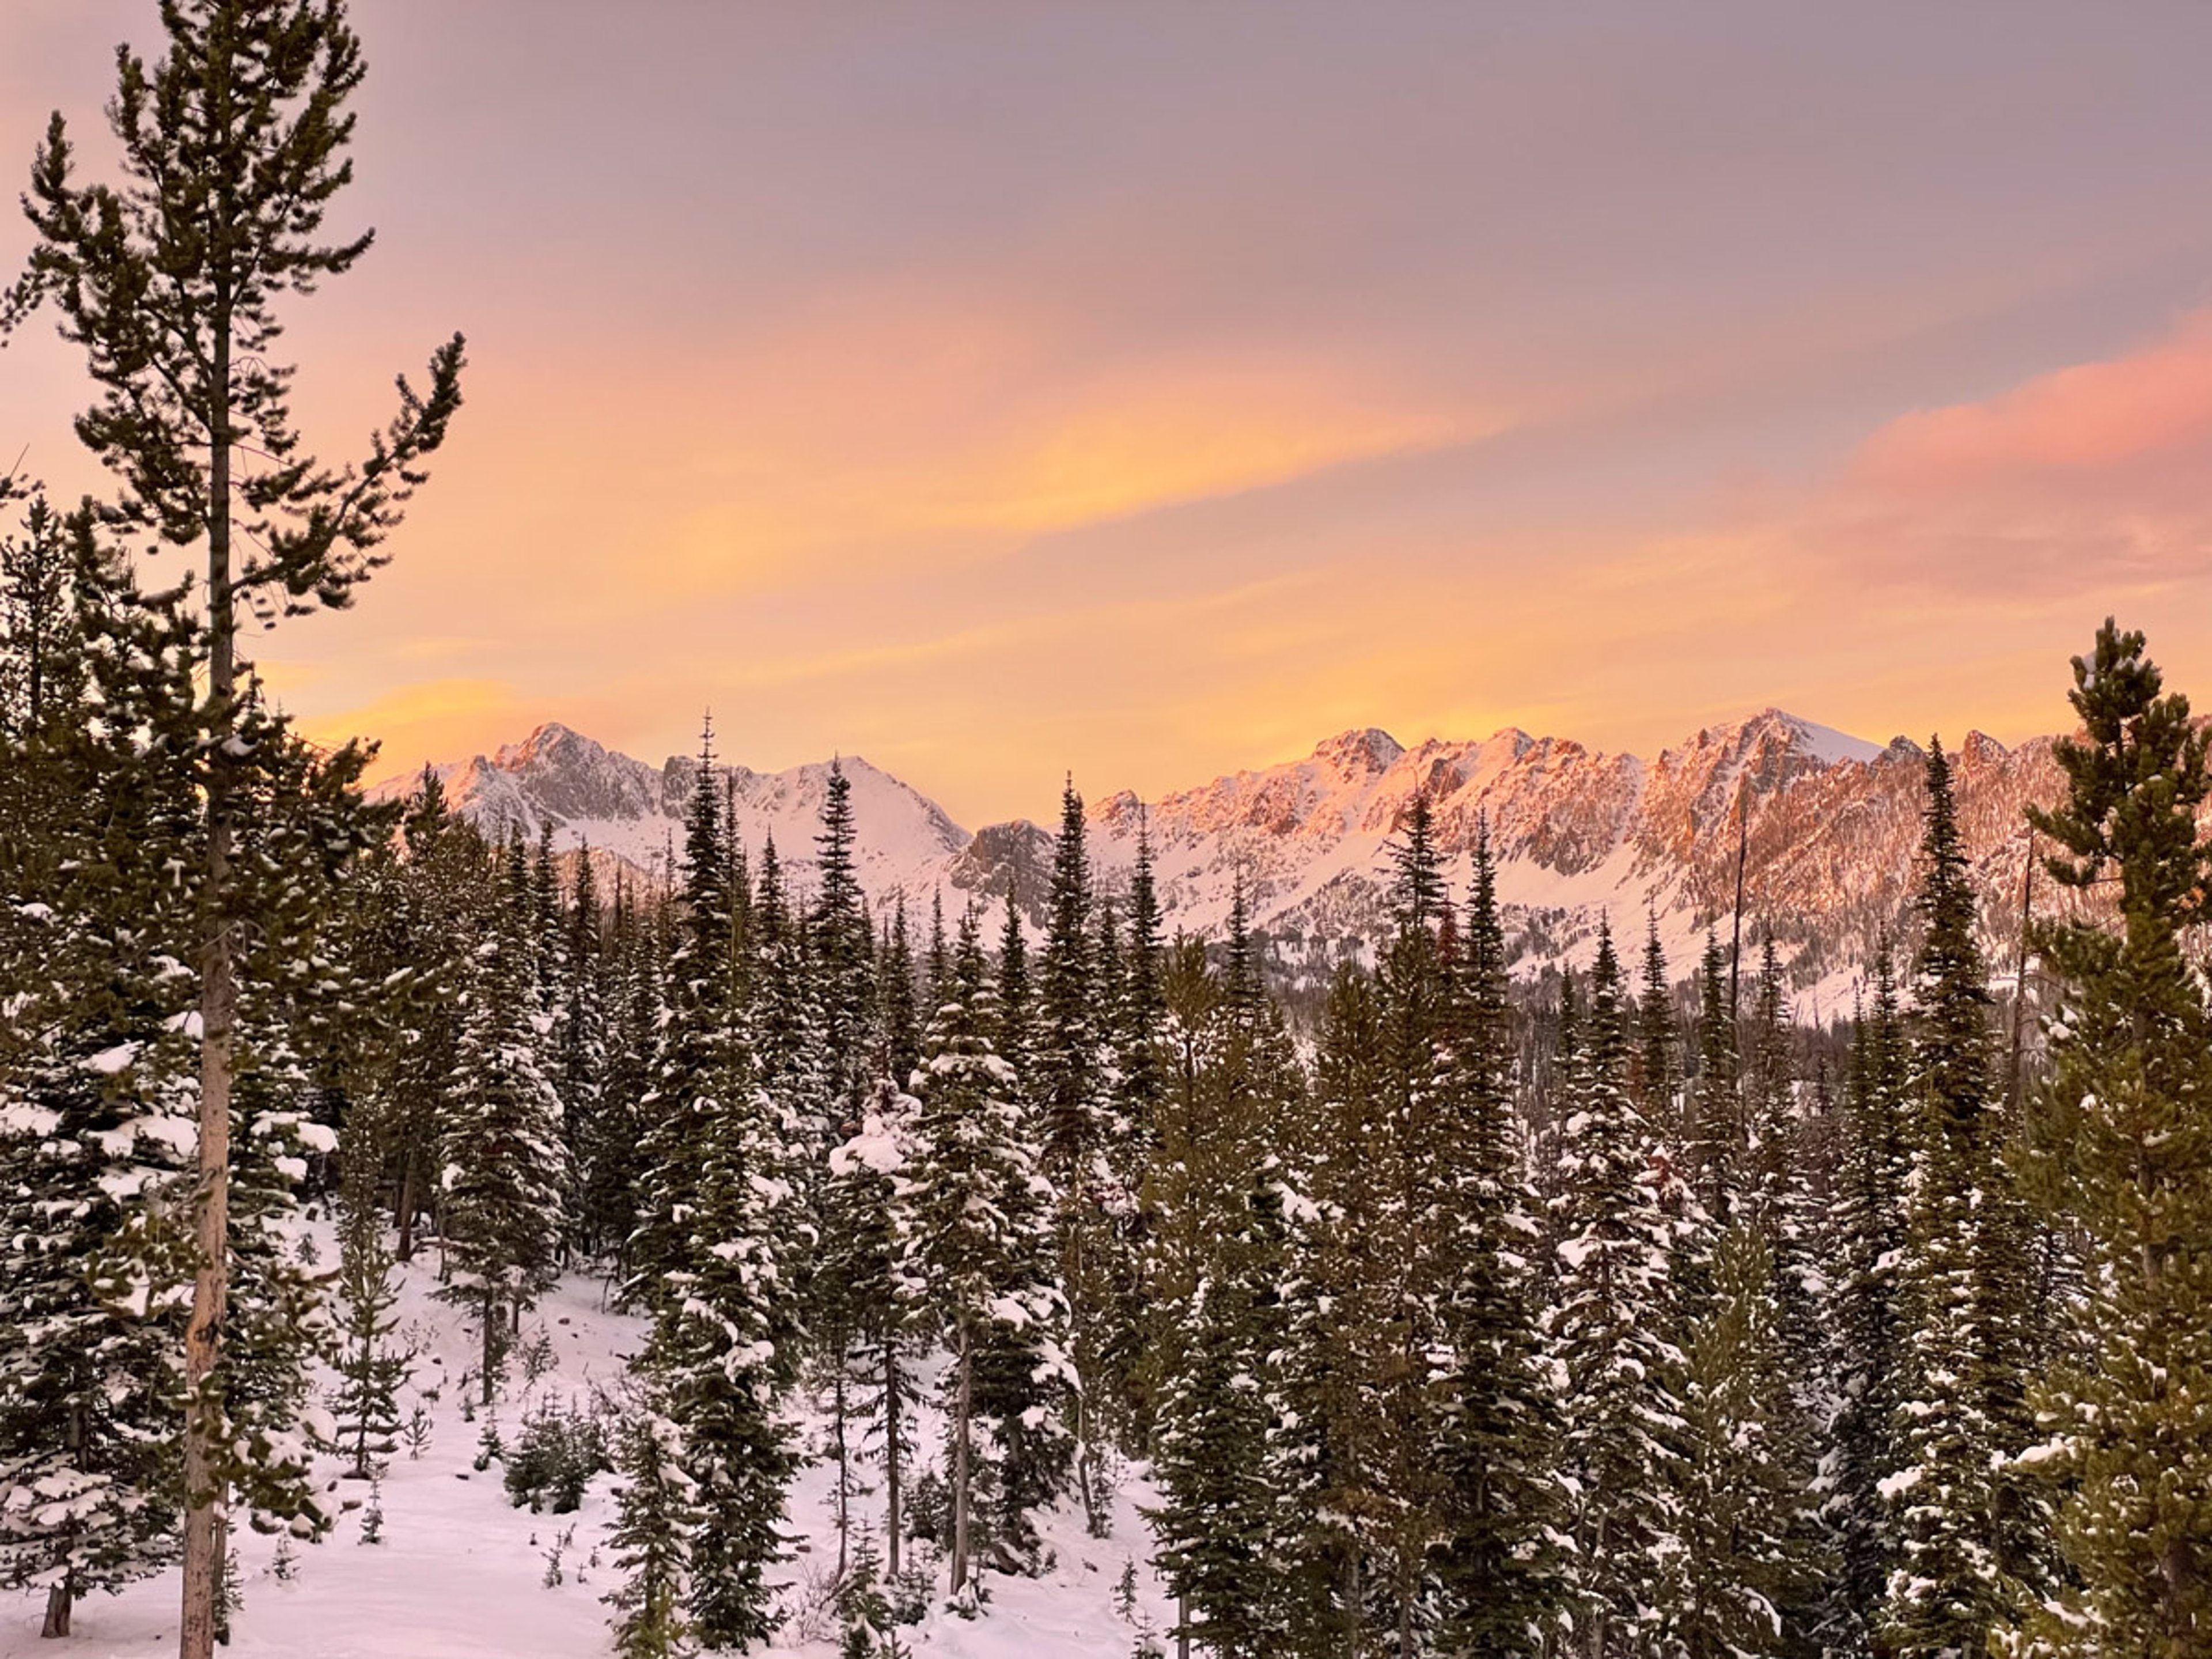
x=2089, y=479
x=2088, y=417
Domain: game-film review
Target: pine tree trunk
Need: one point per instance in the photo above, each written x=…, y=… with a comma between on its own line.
x=891, y=1450
x=844, y=1472
x=61, y=1601
x=490, y=1339
x=403, y=1210
x=218, y=1013
x=962, y=1418
x=1079, y=1339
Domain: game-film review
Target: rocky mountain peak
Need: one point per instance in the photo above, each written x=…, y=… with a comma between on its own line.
x=1365, y=752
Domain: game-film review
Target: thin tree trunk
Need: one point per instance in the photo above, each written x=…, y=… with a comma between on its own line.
x=1182, y=1627
x=405, y=1207
x=61, y=1598
x=891, y=1433
x=218, y=1014
x=1735, y=926
x=844, y=1472
x=963, y=1414
x=2020, y=982
x=490, y=1339
x=1406, y=1576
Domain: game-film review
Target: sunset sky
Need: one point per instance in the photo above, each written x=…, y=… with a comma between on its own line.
x=1154, y=389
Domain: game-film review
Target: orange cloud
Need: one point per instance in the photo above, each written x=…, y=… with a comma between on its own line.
x=444, y=719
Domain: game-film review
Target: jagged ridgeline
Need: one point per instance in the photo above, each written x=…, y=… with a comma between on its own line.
x=1827, y=827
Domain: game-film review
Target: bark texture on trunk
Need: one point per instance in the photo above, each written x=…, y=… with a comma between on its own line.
x=204, y=1414
x=61, y=1601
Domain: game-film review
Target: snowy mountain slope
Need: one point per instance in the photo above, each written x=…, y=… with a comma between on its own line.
x=461, y=1573
x=1831, y=831
x=625, y=810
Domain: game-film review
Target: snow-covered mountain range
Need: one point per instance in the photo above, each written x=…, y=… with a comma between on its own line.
x=1832, y=826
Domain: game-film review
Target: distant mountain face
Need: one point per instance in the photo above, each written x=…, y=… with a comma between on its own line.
x=631, y=814
x=1830, y=830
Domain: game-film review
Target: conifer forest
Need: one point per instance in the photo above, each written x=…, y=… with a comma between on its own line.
x=959, y=1264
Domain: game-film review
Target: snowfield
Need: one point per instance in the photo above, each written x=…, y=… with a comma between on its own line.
x=461, y=1573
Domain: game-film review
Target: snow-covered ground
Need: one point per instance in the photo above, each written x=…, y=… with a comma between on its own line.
x=460, y=1574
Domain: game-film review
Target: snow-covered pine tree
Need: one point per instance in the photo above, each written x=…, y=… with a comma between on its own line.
x=1655, y=1069
x=447, y=870
x=301, y=830
x=1335, y=1449
x=850, y=1286
x=503, y=1168
x=1782, y=1208
x=1015, y=1036
x=656, y=1519
x=1962, y=1412
x=1070, y=1090
x=614, y=1178
x=683, y=1045
x=1498, y=1561
x=1411, y=1152
x=582, y=1056
x=710, y=1254
x=1213, y=1266
x=1867, y=1246
x=2130, y=1422
x=874, y=1383
x=1216, y=1524
x=724, y=1349
x=1746, y=1497
x=1713, y=1138
x=1621, y=1416
x=788, y=1036
x=898, y=1017
x=371, y=1366
x=844, y=952
x=973, y=1238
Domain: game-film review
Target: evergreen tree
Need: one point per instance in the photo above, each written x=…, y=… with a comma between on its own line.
x=2130, y=1421
x=232, y=148
x=845, y=951
x=695, y=1063
x=1213, y=1262
x=656, y=1518
x=1070, y=1090
x=371, y=1368
x=972, y=1218
x=582, y=1056
x=709, y=1258
x=1746, y=1502
x=1714, y=1136
x=1335, y=1448
x=1869, y=1244
x=874, y=1355
x=504, y=1170
x=1963, y=1412
x=1657, y=1073
x=1498, y=1561
x=1621, y=1411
